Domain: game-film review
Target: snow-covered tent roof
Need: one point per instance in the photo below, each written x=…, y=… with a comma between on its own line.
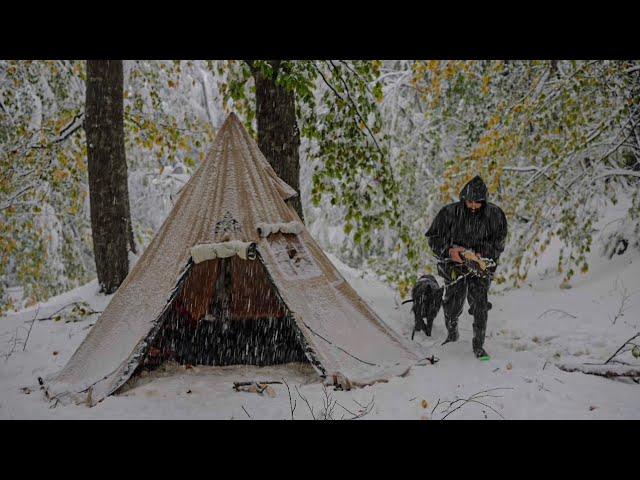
x=232, y=201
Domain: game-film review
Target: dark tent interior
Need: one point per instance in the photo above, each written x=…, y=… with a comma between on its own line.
x=226, y=312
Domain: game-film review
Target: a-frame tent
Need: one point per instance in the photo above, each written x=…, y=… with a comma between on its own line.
x=233, y=270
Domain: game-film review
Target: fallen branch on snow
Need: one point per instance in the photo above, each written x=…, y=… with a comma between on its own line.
x=557, y=310
x=243, y=384
x=255, y=387
x=605, y=370
x=80, y=308
x=611, y=368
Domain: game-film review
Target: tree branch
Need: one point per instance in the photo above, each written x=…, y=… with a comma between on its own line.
x=607, y=370
x=355, y=107
x=306, y=401
x=60, y=139
x=292, y=402
x=617, y=172
x=623, y=345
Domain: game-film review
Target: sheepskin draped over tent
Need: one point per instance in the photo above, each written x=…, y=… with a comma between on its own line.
x=233, y=212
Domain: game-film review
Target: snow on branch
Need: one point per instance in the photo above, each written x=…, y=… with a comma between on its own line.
x=617, y=172
x=611, y=368
x=607, y=370
x=529, y=168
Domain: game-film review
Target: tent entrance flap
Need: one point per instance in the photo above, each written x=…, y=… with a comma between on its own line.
x=227, y=312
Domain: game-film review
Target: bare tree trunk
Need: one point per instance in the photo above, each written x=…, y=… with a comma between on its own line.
x=108, y=189
x=278, y=134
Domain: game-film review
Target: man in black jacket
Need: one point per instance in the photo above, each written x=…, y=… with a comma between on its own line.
x=473, y=224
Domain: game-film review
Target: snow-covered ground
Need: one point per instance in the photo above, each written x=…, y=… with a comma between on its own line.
x=529, y=331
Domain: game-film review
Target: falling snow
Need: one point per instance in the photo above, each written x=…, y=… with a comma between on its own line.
x=232, y=193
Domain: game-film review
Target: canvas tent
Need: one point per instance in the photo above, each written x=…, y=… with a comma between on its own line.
x=231, y=266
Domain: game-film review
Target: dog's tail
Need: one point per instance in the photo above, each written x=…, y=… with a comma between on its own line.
x=409, y=300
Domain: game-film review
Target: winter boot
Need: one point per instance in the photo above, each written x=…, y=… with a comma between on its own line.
x=480, y=353
x=479, y=329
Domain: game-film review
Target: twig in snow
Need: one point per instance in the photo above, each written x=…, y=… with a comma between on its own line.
x=624, y=299
x=245, y=411
x=328, y=404
x=364, y=409
x=14, y=341
x=435, y=406
x=292, y=402
x=556, y=310
x=461, y=402
x=622, y=347
x=306, y=401
x=30, y=328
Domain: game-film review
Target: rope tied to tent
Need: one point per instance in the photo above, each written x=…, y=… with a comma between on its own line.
x=339, y=347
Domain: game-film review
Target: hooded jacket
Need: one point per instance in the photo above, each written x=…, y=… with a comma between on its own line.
x=484, y=232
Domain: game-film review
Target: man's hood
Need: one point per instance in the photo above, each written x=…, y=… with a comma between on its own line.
x=475, y=190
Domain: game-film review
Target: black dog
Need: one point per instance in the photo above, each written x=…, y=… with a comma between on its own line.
x=426, y=296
